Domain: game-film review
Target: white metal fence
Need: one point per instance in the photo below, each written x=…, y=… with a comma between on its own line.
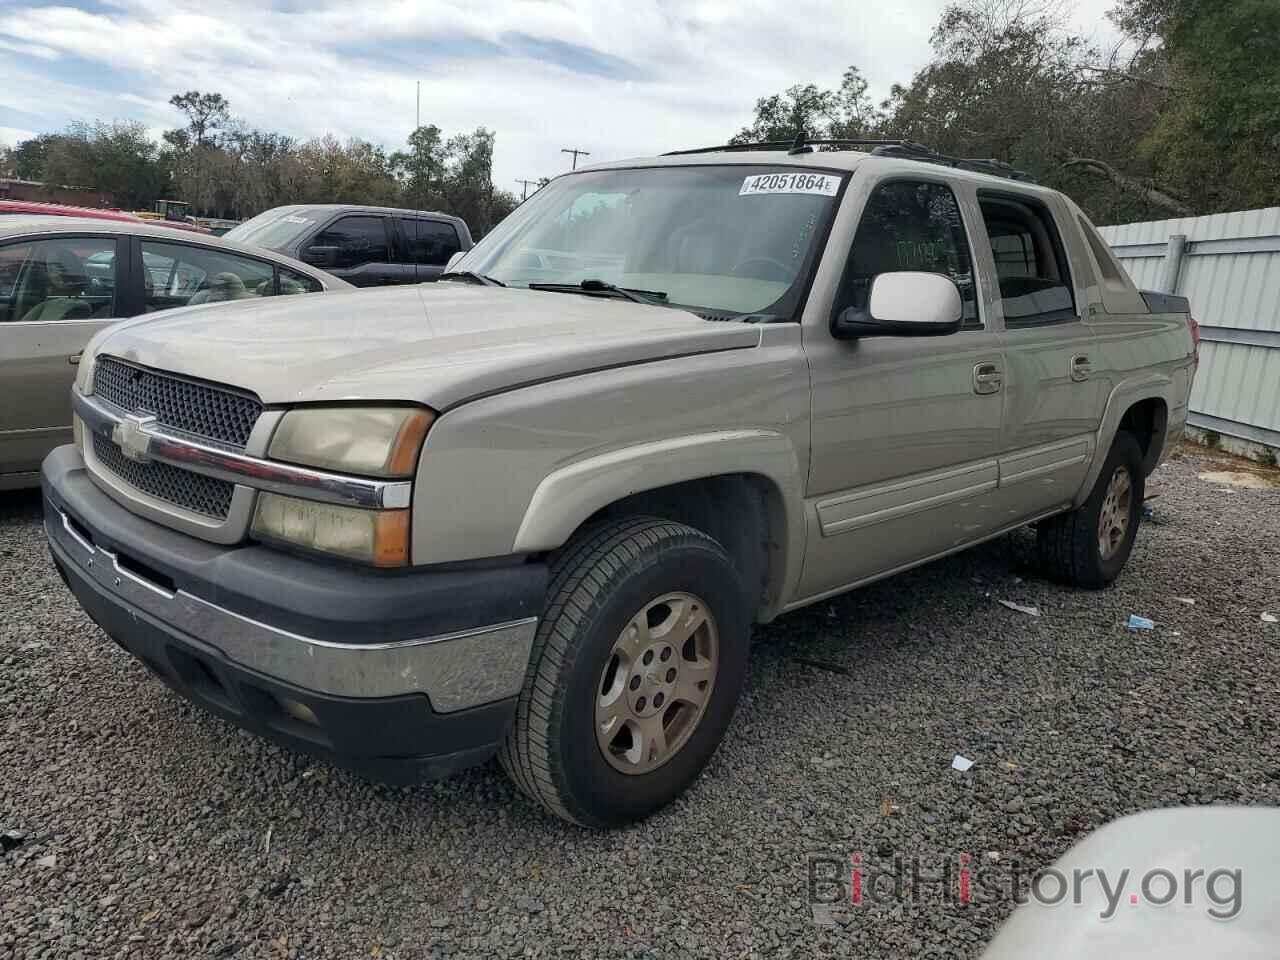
x=1228, y=265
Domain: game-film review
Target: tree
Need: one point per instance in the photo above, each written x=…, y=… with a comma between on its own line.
x=421, y=168
x=117, y=158
x=31, y=156
x=206, y=113
x=1218, y=138
x=825, y=114
x=1007, y=81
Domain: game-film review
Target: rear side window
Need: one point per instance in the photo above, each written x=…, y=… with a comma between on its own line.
x=910, y=225
x=176, y=275
x=1111, y=274
x=357, y=240
x=291, y=282
x=1031, y=265
x=431, y=242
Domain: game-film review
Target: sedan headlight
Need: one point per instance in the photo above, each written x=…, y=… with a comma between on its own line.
x=373, y=441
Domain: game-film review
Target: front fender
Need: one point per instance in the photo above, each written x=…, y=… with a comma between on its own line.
x=572, y=493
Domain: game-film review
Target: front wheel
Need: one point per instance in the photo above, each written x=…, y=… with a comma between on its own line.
x=636, y=670
x=1088, y=547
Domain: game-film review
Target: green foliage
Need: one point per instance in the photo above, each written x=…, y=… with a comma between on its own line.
x=1187, y=120
x=827, y=114
x=1219, y=138
x=224, y=168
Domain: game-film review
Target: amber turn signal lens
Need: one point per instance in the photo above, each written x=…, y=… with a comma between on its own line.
x=403, y=459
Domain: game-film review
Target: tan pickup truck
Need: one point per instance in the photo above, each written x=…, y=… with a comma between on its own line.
x=534, y=509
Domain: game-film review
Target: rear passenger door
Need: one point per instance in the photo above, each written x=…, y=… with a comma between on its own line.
x=56, y=292
x=1052, y=404
x=431, y=243
x=358, y=248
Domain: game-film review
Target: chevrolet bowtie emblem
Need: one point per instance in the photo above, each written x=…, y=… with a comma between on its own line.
x=131, y=437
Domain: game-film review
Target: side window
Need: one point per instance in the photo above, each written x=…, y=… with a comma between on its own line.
x=910, y=225
x=1031, y=265
x=176, y=275
x=356, y=240
x=67, y=278
x=1111, y=271
x=291, y=283
x=431, y=242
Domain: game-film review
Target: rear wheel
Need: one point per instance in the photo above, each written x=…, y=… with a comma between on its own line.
x=1089, y=546
x=636, y=670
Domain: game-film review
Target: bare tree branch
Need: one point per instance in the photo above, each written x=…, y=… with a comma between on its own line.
x=1119, y=76
x=1145, y=189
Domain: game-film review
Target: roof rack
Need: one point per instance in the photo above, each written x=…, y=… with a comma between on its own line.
x=916, y=151
x=899, y=149
x=796, y=146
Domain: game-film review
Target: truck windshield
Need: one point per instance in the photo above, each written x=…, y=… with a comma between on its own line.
x=275, y=229
x=727, y=240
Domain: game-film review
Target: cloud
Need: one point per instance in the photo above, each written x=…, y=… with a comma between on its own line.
x=616, y=77
x=12, y=136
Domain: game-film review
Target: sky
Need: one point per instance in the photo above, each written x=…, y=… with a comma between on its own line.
x=618, y=78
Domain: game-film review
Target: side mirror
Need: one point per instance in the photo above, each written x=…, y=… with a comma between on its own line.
x=906, y=303
x=453, y=261
x=323, y=257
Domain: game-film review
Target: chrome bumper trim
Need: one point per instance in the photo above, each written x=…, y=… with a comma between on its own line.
x=151, y=442
x=455, y=670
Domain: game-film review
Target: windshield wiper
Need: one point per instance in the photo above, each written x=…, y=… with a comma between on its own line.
x=600, y=286
x=471, y=276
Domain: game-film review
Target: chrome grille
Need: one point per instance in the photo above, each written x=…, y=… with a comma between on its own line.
x=191, y=491
x=219, y=413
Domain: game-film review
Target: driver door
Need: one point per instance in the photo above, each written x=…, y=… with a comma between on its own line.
x=906, y=430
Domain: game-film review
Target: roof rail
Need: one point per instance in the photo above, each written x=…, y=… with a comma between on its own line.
x=899, y=149
x=915, y=151
x=798, y=145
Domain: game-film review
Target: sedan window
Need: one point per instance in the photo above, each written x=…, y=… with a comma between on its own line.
x=175, y=275
x=68, y=278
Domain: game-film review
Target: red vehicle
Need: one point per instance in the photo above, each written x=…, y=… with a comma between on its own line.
x=33, y=209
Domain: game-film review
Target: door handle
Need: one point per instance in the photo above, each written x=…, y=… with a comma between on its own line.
x=74, y=359
x=987, y=378
x=1080, y=368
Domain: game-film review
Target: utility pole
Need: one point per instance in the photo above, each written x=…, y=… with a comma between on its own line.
x=576, y=154
x=417, y=113
x=525, y=183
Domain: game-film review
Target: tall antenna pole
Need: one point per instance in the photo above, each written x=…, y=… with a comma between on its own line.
x=525, y=193
x=576, y=153
x=417, y=113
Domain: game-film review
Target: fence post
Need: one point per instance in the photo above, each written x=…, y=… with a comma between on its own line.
x=1173, y=263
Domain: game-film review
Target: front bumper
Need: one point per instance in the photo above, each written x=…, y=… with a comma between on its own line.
x=402, y=676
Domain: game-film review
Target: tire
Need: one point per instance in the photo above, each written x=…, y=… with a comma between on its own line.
x=601, y=583
x=1071, y=544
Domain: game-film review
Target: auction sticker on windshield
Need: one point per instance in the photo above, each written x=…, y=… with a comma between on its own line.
x=818, y=183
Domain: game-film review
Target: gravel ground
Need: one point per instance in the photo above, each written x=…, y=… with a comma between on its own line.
x=155, y=830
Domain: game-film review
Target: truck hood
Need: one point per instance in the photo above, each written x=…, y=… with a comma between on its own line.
x=437, y=344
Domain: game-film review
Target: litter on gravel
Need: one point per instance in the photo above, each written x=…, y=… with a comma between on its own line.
x=961, y=763
x=1029, y=611
x=1140, y=623
x=1268, y=617
x=1189, y=601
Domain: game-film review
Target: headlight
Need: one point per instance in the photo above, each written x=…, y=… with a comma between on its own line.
x=378, y=537
x=373, y=441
